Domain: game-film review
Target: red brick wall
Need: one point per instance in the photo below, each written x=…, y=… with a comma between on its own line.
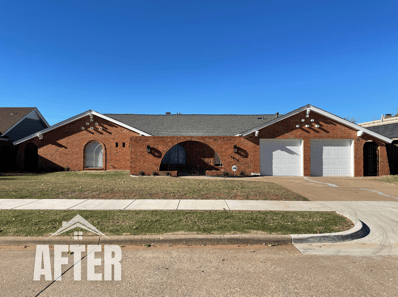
x=246, y=159
x=64, y=146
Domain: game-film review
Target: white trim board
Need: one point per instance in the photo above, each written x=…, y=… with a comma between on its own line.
x=77, y=117
x=309, y=107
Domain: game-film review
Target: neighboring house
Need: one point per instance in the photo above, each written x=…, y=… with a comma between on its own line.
x=17, y=123
x=388, y=127
x=307, y=141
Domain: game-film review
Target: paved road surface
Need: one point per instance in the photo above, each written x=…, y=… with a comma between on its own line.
x=212, y=271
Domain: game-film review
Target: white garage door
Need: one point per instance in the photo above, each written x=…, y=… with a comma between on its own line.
x=281, y=157
x=331, y=157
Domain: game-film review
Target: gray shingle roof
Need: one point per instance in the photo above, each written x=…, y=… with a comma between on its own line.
x=389, y=130
x=192, y=125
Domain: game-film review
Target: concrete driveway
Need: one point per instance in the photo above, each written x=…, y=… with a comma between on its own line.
x=338, y=188
x=381, y=217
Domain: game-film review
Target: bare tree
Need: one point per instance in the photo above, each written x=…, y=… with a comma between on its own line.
x=351, y=119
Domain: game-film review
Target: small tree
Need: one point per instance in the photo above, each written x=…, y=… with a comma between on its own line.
x=352, y=119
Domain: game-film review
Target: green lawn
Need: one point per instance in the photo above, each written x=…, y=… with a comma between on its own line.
x=120, y=185
x=390, y=179
x=119, y=222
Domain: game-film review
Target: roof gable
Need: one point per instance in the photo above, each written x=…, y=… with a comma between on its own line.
x=16, y=122
x=10, y=116
x=310, y=108
x=79, y=116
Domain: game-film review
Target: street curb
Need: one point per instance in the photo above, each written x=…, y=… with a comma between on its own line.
x=359, y=230
x=153, y=239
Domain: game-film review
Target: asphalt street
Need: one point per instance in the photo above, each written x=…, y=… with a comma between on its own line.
x=211, y=271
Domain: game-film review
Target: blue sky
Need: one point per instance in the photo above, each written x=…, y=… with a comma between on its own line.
x=243, y=57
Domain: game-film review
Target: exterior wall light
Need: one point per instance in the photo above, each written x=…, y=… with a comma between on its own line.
x=302, y=120
x=235, y=149
x=148, y=149
x=96, y=123
x=82, y=128
x=307, y=126
x=312, y=120
x=316, y=126
x=297, y=126
x=100, y=128
x=87, y=123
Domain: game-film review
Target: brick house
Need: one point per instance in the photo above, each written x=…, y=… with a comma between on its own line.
x=307, y=141
x=17, y=123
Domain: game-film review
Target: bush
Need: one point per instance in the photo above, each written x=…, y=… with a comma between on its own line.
x=242, y=173
x=225, y=174
x=168, y=173
x=66, y=168
x=154, y=173
x=141, y=173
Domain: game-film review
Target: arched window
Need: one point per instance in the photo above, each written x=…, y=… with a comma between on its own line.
x=94, y=155
x=370, y=159
x=175, y=156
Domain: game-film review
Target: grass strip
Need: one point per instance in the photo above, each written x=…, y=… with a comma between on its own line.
x=393, y=179
x=120, y=185
x=119, y=222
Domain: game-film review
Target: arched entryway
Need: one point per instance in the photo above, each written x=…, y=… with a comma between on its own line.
x=31, y=157
x=94, y=155
x=190, y=158
x=393, y=157
x=370, y=159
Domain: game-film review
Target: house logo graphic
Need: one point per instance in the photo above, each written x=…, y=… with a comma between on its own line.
x=112, y=256
x=77, y=222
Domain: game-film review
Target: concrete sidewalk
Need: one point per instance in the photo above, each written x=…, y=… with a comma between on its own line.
x=161, y=204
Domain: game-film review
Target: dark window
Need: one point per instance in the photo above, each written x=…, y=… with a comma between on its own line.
x=117, y=144
x=124, y=145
